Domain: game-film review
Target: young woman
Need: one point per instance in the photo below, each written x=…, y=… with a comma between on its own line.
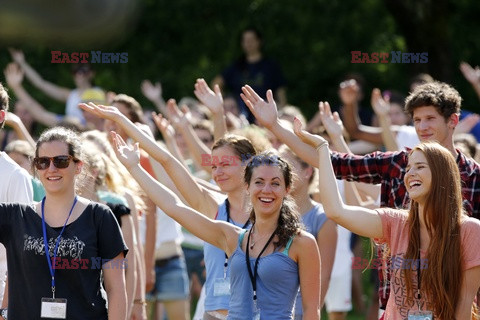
x=59, y=248
x=288, y=256
x=227, y=171
x=436, y=273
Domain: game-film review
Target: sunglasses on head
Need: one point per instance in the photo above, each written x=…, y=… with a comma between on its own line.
x=60, y=162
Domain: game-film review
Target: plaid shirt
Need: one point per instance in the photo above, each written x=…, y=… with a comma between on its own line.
x=388, y=169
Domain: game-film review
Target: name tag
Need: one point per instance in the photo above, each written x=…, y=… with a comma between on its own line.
x=221, y=287
x=420, y=315
x=54, y=308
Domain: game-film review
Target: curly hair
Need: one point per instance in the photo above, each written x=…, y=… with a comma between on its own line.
x=442, y=96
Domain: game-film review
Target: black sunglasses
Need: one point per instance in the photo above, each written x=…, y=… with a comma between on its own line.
x=60, y=162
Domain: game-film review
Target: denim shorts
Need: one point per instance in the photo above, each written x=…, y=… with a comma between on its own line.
x=194, y=258
x=171, y=280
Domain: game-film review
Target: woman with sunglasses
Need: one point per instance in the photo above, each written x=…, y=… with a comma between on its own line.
x=59, y=249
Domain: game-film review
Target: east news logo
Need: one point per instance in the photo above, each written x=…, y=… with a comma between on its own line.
x=96, y=57
x=395, y=57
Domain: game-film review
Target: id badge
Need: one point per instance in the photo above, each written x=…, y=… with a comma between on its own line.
x=221, y=287
x=54, y=308
x=420, y=315
x=256, y=311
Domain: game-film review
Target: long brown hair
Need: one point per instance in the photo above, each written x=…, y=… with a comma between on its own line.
x=441, y=281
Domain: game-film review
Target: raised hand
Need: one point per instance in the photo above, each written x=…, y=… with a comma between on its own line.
x=349, y=92
x=308, y=138
x=212, y=100
x=472, y=75
x=176, y=116
x=152, y=92
x=17, y=55
x=331, y=121
x=127, y=155
x=264, y=111
x=105, y=112
x=163, y=125
x=379, y=105
x=466, y=124
x=13, y=74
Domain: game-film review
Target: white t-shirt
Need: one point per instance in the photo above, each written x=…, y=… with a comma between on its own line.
x=167, y=230
x=15, y=186
x=406, y=137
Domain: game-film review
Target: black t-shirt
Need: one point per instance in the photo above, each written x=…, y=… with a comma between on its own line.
x=261, y=76
x=86, y=244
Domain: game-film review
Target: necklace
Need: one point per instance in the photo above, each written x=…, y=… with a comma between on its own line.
x=254, y=241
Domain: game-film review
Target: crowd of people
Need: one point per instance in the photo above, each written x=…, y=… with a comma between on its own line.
x=237, y=212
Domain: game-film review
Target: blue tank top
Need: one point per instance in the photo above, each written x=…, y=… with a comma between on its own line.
x=214, y=263
x=313, y=221
x=277, y=285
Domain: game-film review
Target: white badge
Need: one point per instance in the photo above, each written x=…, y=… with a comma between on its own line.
x=221, y=287
x=54, y=308
x=420, y=315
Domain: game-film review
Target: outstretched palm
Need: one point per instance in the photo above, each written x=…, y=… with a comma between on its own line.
x=264, y=111
x=212, y=100
x=331, y=121
x=127, y=155
x=105, y=112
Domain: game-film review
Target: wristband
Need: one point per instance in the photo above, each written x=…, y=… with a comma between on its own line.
x=140, y=301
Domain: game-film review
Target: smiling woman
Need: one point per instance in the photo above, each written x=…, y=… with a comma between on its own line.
x=67, y=227
x=289, y=255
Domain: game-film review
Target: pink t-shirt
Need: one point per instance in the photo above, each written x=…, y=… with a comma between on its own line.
x=395, y=234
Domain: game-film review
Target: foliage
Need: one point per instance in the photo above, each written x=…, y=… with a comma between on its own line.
x=176, y=42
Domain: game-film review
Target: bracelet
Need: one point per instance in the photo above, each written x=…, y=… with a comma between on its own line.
x=324, y=143
x=140, y=301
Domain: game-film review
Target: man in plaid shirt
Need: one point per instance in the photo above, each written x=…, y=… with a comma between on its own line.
x=435, y=109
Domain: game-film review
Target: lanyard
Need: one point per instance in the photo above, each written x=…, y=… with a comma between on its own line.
x=253, y=275
x=225, y=264
x=45, y=242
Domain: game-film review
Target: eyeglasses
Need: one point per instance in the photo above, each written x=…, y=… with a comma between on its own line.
x=60, y=162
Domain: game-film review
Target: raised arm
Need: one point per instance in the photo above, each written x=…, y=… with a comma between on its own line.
x=56, y=92
x=14, y=77
x=364, y=222
x=218, y=233
x=168, y=134
x=154, y=94
x=199, y=198
x=214, y=102
x=195, y=146
x=472, y=75
x=381, y=108
x=349, y=94
x=266, y=114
